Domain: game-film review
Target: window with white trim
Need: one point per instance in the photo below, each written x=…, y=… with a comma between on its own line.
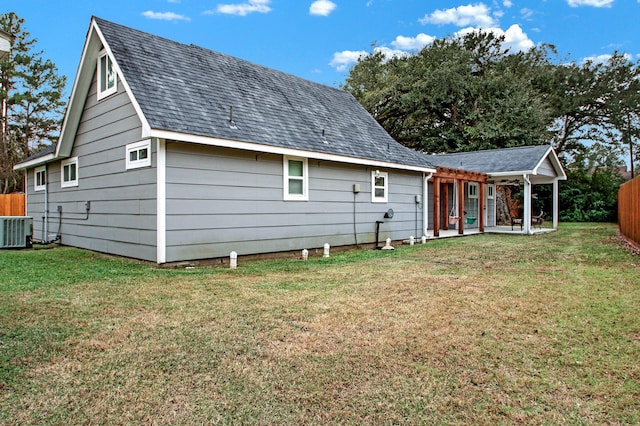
x=69, y=172
x=40, y=178
x=473, y=190
x=379, y=187
x=138, y=154
x=107, y=80
x=491, y=191
x=296, y=178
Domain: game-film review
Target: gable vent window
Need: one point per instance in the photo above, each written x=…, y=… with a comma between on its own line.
x=138, y=154
x=107, y=81
x=69, y=172
x=296, y=178
x=40, y=178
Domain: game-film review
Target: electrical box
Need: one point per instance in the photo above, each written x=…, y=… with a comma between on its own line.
x=418, y=199
x=356, y=188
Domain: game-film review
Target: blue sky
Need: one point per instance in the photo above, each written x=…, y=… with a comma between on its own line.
x=319, y=40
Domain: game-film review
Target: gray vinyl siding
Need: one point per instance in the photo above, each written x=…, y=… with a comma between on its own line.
x=546, y=168
x=222, y=200
x=122, y=217
x=35, y=206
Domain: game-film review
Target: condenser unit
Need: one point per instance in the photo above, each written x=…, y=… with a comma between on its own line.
x=15, y=232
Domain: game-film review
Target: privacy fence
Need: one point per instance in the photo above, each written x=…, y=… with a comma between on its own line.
x=12, y=204
x=629, y=210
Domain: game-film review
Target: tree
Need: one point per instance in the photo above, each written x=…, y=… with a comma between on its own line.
x=457, y=94
x=32, y=91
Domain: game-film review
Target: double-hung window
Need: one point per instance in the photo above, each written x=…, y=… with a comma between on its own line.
x=379, y=187
x=107, y=80
x=40, y=178
x=69, y=172
x=139, y=154
x=296, y=178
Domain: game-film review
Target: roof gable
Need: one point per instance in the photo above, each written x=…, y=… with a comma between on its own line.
x=195, y=91
x=506, y=161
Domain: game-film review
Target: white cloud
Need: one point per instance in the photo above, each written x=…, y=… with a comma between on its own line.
x=476, y=15
x=343, y=60
x=243, y=9
x=507, y=3
x=526, y=13
x=412, y=43
x=604, y=58
x=165, y=16
x=594, y=3
x=514, y=38
x=322, y=7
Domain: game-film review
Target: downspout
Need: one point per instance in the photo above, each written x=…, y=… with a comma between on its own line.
x=425, y=202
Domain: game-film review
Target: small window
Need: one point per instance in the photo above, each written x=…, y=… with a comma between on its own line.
x=473, y=190
x=40, y=178
x=379, y=187
x=107, y=81
x=138, y=154
x=69, y=172
x=491, y=191
x=296, y=179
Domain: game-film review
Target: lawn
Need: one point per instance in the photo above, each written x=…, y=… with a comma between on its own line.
x=478, y=330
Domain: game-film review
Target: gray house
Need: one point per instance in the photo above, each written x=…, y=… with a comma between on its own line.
x=172, y=152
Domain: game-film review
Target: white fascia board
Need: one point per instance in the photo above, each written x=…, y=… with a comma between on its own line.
x=555, y=162
x=35, y=162
x=81, y=84
x=251, y=146
x=145, y=124
x=513, y=173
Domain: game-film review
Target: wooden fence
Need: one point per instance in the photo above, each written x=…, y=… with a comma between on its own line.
x=12, y=205
x=629, y=210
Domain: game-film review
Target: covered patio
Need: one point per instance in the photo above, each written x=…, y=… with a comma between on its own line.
x=521, y=166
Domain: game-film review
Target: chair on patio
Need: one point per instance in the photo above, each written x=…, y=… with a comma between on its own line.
x=516, y=221
x=538, y=220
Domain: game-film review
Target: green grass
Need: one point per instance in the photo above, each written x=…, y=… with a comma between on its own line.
x=478, y=330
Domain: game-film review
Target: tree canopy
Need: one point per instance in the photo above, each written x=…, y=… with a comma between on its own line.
x=469, y=93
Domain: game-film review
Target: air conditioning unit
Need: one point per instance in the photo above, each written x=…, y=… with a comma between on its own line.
x=15, y=232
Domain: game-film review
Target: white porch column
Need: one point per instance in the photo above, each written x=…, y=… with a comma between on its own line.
x=425, y=203
x=556, y=208
x=527, y=205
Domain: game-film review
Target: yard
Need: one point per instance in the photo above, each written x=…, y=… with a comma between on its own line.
x=484, y=329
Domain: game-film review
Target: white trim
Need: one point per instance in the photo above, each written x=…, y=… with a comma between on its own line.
x=374, y=175
x=473, y=195
x=137, y=148
x=43, y=185
x=425, y=203
x=491, y=191
x=251, y=146
x=34, y=163
x=287, y=196
x=83, y=80
x=161, y=202
x=69, y=162
x=107, y=91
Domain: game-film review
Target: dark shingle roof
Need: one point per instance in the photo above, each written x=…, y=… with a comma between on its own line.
x=189, y=89
x=518, y=159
